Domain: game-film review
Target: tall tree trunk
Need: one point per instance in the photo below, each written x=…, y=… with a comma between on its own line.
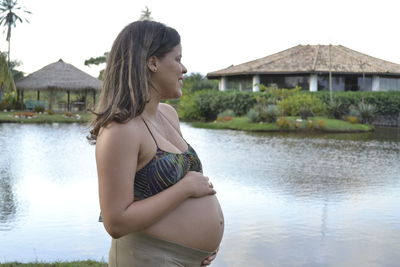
x=9, y=45
x=9, y=53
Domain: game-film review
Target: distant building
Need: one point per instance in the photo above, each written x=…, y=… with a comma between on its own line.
x=311, y=66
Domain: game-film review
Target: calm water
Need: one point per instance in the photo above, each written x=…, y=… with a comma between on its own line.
x=288, y=200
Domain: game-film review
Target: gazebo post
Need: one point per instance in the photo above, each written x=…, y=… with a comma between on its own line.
x=68, y=97
x=51, y=98
x=94, y=98
x=38, y=95
x=85, y=99
x=22, y=97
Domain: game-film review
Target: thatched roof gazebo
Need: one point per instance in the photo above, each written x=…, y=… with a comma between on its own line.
x=59, y=76
x=314, y=67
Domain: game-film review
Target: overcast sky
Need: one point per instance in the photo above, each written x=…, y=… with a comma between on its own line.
x=215, y=34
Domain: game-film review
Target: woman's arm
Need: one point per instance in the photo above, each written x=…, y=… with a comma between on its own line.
x=117, y=151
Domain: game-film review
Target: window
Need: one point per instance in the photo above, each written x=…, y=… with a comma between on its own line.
x=389, y=84
x=285, y=81
x=240, y=83
x=345, y=83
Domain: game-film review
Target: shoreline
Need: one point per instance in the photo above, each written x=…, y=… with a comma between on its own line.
x=290, y=124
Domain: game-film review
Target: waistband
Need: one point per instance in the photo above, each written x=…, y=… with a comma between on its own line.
x=170, y=248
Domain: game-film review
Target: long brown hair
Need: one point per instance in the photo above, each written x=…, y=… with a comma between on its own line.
x=125, y=90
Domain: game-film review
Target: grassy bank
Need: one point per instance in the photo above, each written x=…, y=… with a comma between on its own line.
x=321, y=124
x=30, y=117
x=288, y=124
x=87, y=263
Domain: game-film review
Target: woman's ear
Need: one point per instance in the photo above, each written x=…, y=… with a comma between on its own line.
x=152, y=64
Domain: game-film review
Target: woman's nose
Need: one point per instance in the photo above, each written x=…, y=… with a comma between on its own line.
x=184, y=70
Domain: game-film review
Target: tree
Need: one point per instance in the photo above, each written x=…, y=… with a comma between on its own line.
x=96, y=60
x=196, y=81
x=12, y=65
x=146, y=14
x=7, y=84
x=9, y=17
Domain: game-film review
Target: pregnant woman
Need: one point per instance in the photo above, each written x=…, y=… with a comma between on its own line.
x=156, y=204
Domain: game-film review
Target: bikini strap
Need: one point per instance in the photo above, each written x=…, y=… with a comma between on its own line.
x=150, y=132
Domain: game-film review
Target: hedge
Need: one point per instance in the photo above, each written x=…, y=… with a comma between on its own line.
x=205, y=105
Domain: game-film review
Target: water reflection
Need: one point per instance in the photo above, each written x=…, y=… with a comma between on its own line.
x=381, y=134
x=318, y=198
x=324, y=200
x=8, y=204
x=8, y=201
x=309, y=167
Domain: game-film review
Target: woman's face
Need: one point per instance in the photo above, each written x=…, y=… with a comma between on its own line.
x=168, y=79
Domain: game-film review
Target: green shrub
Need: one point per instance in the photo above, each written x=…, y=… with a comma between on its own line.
x=367, y=112
x=386, y=103
x=351, y=119
x=354, y=112
x=302, y=104
x=267, y=113
x=354, y=115
x=263, y=113
x=320, y=124
x=253, y=115
x=227, y=113
x=336, y=109
x=39, y=109
x=279, y=93
x=305, y=112
x=207, y=104
x=283, y=123
x=9, y=102
x=239, y=102
x=188, y=108
x=310, y=125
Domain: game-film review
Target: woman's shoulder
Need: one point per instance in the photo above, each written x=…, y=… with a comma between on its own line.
x=131, y=130
x=170, y=112
x=168, y=109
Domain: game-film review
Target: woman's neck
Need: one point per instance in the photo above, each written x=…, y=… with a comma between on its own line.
x=151, y=109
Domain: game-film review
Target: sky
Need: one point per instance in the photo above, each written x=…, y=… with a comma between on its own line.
x=214, y=33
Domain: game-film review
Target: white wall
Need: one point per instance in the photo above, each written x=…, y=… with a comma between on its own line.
x=313, y=83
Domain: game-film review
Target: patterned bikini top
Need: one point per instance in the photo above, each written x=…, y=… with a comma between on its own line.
x=164, y=170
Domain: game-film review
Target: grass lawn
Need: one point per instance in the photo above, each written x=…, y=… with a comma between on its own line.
x=18, y=117
x=87, y=263
x=316, y=124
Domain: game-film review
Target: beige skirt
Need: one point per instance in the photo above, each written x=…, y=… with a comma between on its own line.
x=142, y=250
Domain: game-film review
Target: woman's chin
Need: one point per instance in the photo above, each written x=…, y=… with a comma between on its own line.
x=178, y=93
x=174, y=95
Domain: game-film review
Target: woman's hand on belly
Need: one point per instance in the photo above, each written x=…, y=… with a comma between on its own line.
x=197, y=184
x=207, y=261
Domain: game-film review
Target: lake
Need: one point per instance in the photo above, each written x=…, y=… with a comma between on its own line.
x=288, y=199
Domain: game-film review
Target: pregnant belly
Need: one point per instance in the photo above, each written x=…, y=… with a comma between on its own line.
x=196, y=223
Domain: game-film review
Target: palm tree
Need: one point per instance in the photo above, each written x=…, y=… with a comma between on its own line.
x=146, y=14
x=9, y=17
